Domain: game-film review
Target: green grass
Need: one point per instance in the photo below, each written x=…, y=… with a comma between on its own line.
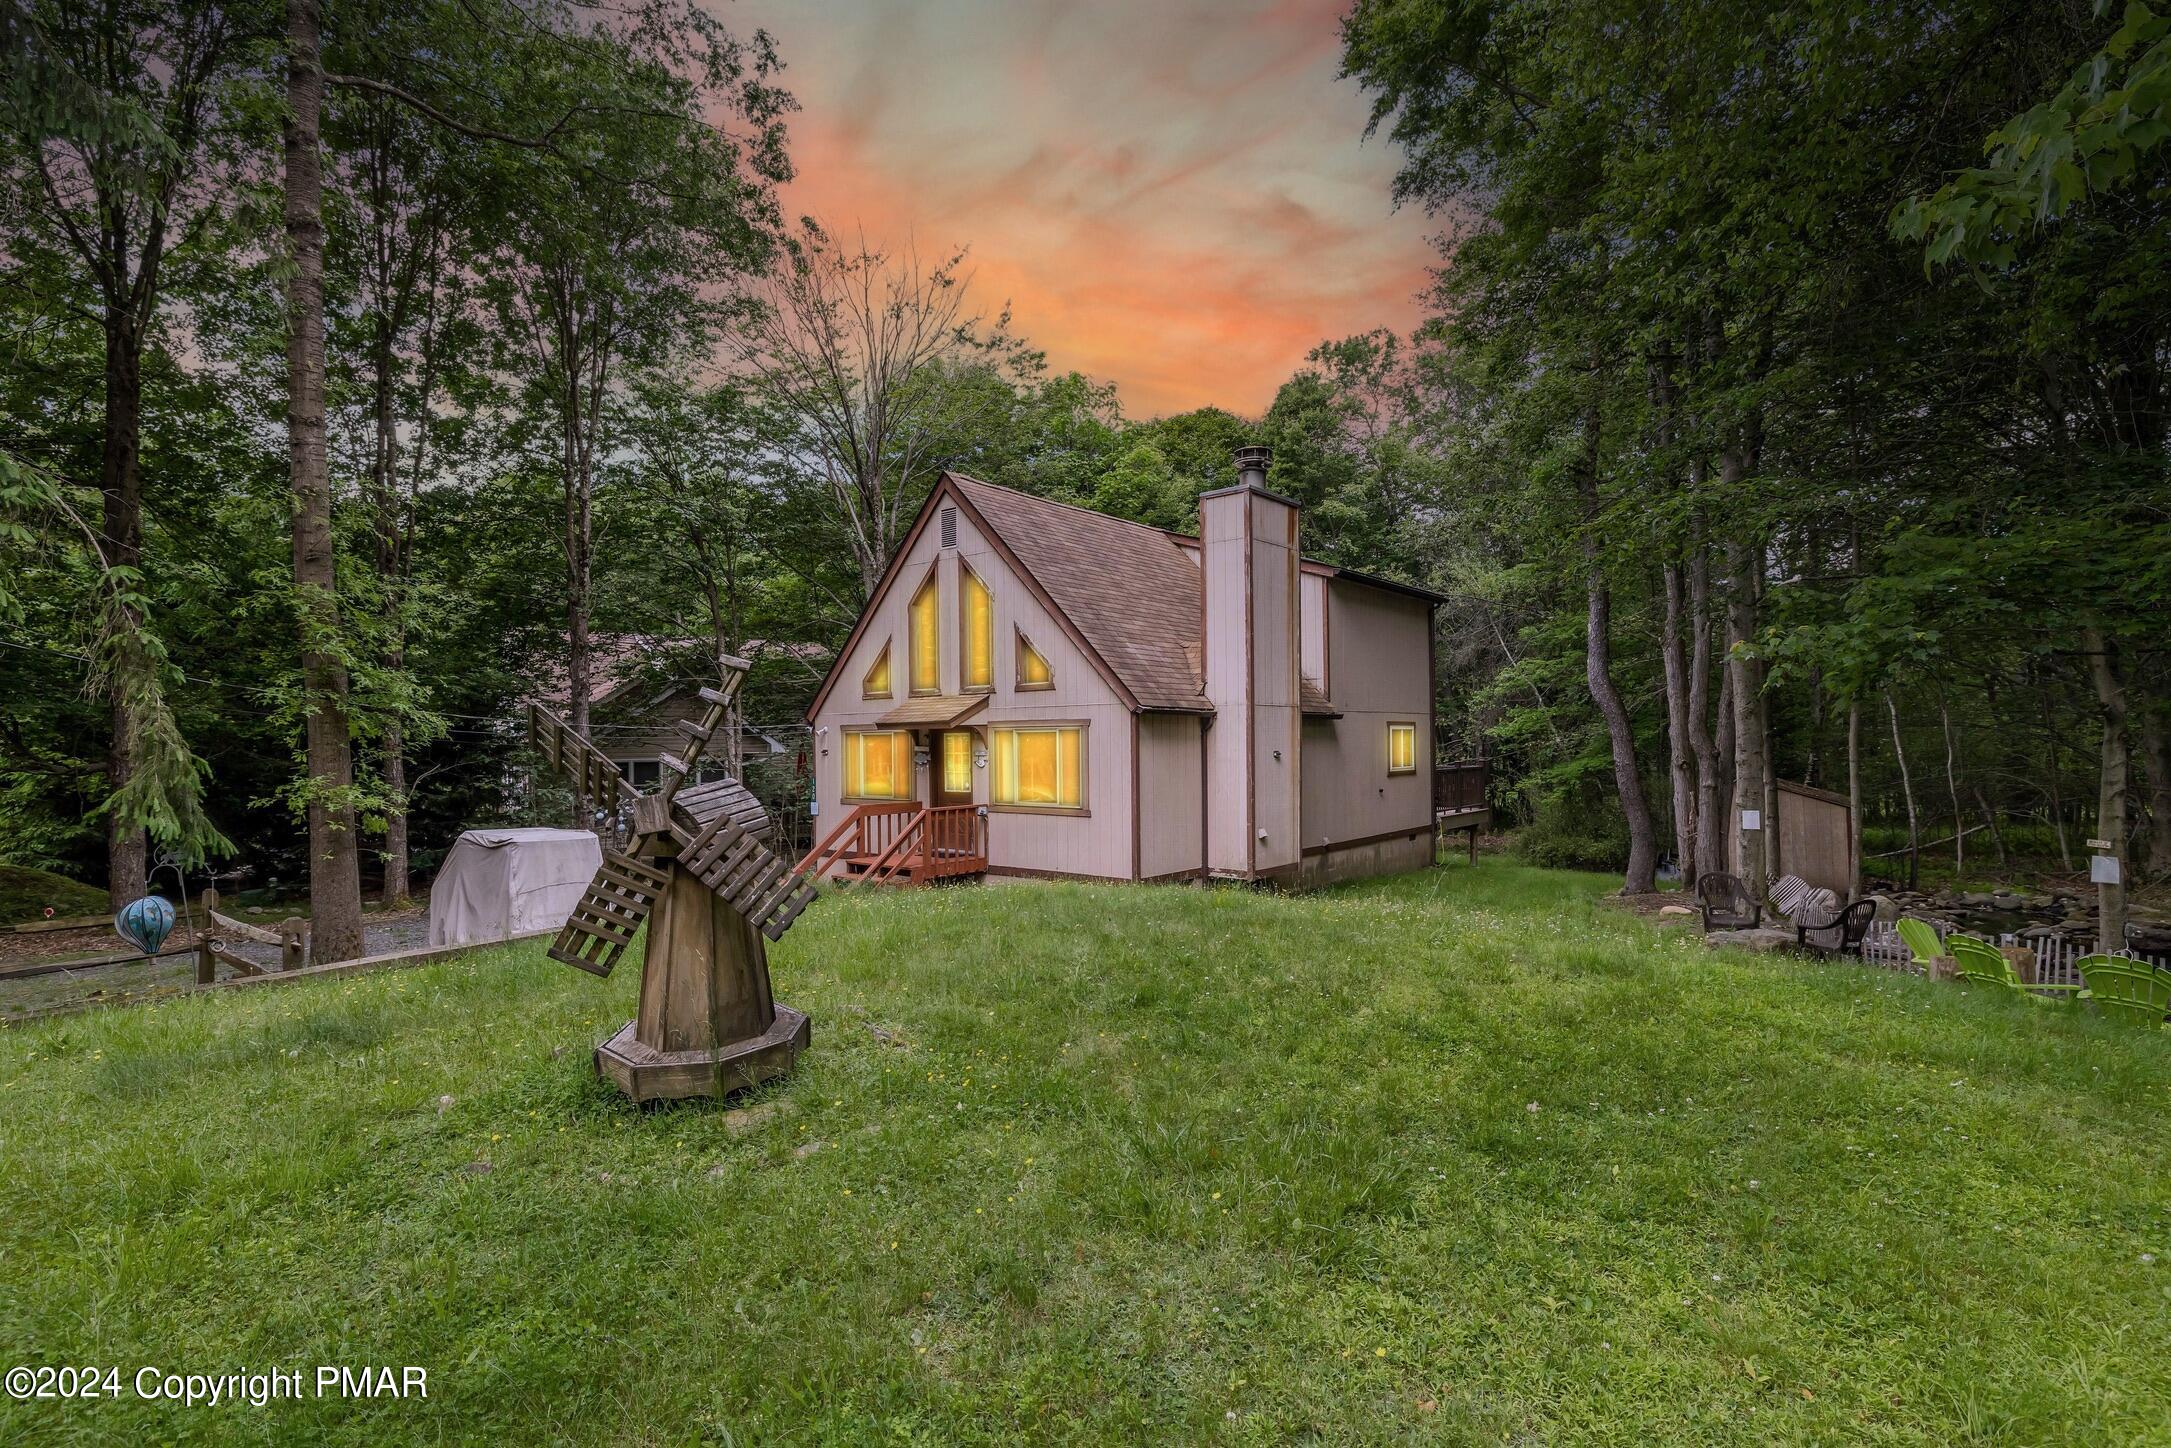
x=25, y=894
x=1457, y=1156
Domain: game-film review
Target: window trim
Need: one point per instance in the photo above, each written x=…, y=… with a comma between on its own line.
x=1025, y=646
x=880, y=659
x=1410, y=768
x=844, y=769
x=933, y=580
x=1081, y=810
x=964, y=625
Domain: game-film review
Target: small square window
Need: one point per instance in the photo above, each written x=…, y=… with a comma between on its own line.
x=1401, y=748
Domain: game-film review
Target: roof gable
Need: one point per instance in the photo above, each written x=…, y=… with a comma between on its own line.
x=1134, y=597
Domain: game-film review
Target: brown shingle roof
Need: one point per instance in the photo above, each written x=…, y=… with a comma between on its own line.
x=1314, y=699
x=1133, y=594
x=939, y=711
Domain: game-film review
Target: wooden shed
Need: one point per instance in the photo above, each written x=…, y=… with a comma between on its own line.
x=1815, y=835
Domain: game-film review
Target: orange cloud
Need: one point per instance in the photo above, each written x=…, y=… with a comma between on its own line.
x=1172, y=196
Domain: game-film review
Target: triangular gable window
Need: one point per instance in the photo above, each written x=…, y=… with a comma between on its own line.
x=926, y=637
x=876, y=685
x=976, y=631
x=1033, y=670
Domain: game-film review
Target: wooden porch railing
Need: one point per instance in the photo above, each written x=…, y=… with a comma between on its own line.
x=870, y=829
x=954, y=841
x=886, y=841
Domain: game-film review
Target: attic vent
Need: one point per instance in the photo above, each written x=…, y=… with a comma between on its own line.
x=949, y=527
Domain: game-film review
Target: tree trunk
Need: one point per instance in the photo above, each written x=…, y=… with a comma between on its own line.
x=1746, y=684
x=1681, y=753
x=1952, y=790
x=1854, y=795
x=2111, y=795
x=335, y=881
x=1713, y=756
x=1620, y=732
x=1724, y=837
x=121, y=480
x=1907, y=791
x=1770, y=832
x=2154, y=734
x=2057, y=798
x=384, y=482
x=1990, y=818
x=1597, y=671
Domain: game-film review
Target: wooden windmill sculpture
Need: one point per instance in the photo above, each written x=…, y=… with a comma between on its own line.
x=698, y=870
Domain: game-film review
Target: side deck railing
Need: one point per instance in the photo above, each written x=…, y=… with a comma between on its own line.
x=1463, y=784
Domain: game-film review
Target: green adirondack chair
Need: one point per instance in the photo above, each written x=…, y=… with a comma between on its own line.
x=1980, y=963
x=2130, y=990
x=1921, y=938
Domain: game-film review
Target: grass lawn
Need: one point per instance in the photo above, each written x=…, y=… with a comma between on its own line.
x=26, y=894
x=1456, y=1156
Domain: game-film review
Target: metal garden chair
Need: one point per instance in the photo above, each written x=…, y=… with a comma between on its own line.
x=1838, y=932
x=1726, y=904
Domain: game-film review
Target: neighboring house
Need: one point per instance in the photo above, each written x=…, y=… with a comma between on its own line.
x=634, y=713
x=1038, y=689
x=636, y=724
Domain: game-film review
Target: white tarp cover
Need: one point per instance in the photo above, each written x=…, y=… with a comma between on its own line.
x=496, y=884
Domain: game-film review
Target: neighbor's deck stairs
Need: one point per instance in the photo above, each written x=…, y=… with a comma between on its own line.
x=902, y=844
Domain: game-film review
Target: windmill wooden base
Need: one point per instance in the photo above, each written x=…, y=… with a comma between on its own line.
x=706, y=976
x=699, y=875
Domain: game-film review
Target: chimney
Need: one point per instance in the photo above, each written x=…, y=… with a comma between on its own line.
x=1248, y=556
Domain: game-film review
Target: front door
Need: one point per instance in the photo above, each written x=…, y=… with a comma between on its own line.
x=951, y=781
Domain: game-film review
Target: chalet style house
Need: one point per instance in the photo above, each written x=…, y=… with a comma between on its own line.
x=1037, y=689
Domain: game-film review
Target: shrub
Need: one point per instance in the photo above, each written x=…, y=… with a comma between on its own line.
x=1570, y=836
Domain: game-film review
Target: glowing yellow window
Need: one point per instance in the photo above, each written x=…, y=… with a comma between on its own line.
x=877, y=765
x=976, y=631
x=1042, y=768
x=1401, y=748
x=1033, y=670
x=927, y=638
x=877, y=683
x=957, y=762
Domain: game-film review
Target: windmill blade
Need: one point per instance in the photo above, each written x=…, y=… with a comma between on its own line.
x=746, y=876
x=583, y=766
x=680, y=768
x=603, y=924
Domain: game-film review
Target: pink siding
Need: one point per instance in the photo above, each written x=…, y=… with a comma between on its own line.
x=1227, y=664
x=1249, y=545
x=1170, y=793
x=1097, y=843
x=1276, y=722
x=1381, y=663
x=1313, y=626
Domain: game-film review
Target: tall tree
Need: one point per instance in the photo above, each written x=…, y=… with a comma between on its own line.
x=120, y=137
x=851, y=350
x=627, y=259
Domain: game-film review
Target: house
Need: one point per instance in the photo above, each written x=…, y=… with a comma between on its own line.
x=639, y=696
x=1037, y=689
x=637, y=723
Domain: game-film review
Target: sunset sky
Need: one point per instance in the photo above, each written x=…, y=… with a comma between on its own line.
x=1173, y=194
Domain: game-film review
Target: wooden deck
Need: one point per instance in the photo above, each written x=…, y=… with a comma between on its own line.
x=1461, y=801
x=903, y=844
